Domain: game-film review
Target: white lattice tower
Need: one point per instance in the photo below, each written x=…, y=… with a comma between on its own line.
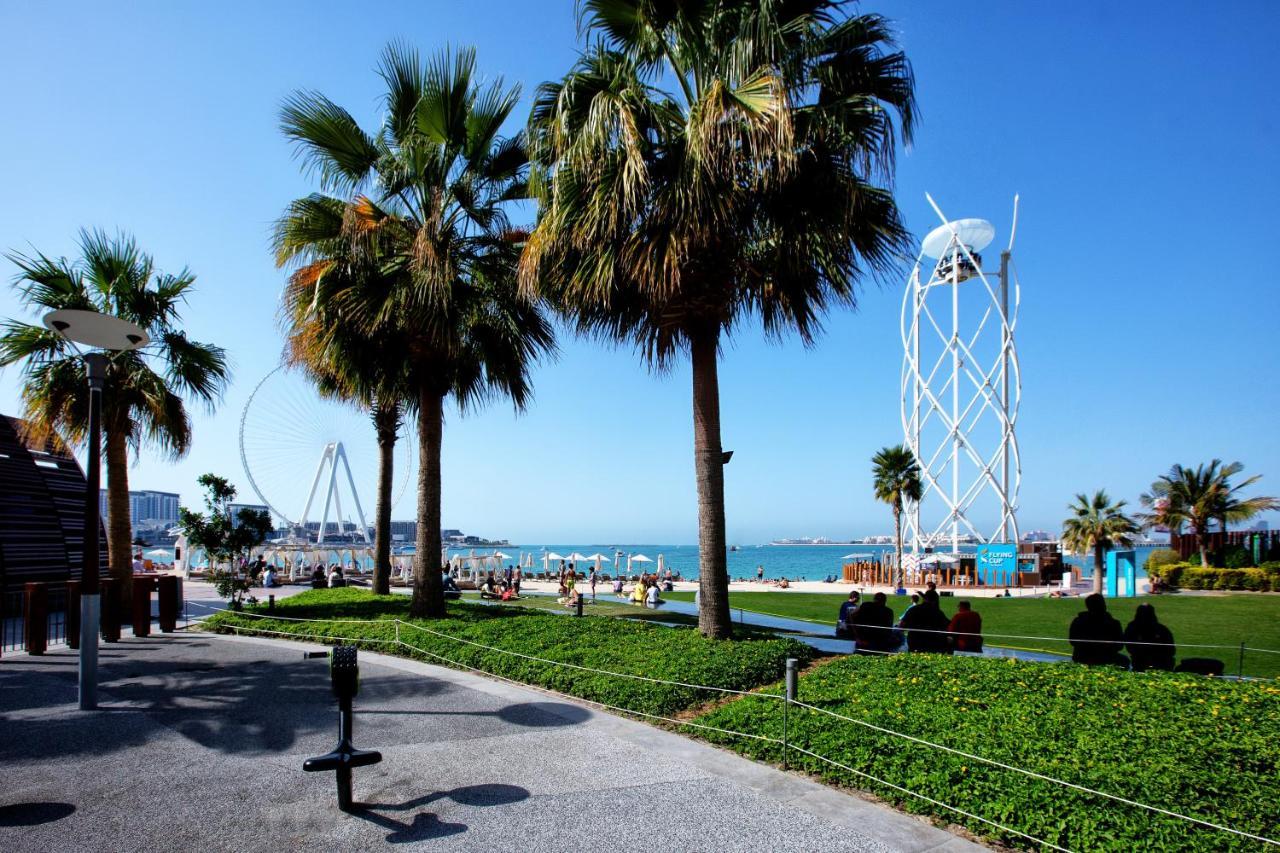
x=961, y=387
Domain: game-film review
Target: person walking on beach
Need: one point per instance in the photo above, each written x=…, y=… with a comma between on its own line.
x=966, y=629
x=593, y=577
x=760, y=574
x=1150, y=643
x=1096, y=636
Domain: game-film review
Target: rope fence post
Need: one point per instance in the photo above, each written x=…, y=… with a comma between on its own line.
x=793, y=674
x=1240, y=666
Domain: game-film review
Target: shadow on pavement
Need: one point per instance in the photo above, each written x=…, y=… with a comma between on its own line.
x=33, y=814
x=425, y=825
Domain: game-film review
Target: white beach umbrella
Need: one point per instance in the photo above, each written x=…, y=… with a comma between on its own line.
x=501, y=556
x=554, y=556
x=641, y=558
x=599, y=558
x=577, y=558
x=628, y=564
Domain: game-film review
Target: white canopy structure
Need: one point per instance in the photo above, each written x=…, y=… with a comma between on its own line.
x=599, y=558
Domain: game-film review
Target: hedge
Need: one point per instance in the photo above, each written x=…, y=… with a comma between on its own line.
x=604, y=643
x=1203, y=747
x=1265, y=578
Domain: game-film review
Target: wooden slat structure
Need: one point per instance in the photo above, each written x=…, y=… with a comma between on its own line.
x=42, y=501
x=1267, y=543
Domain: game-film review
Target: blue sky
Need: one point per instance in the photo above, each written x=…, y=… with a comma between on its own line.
x=1141, y=136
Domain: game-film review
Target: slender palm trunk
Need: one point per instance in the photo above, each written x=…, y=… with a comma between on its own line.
x=119, y=525
x=386, y=420
x=1202, y=542
x=708, y=462
x=898, y=575
x=428, y=588
x=1099, y=566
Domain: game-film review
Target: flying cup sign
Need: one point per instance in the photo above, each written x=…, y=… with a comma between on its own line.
x=997, y=564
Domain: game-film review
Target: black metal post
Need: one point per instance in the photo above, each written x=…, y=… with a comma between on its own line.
x=90, y=582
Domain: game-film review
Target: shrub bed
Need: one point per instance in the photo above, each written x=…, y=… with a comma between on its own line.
x=1205, y=748
x=1265, y=578
x=613, y=645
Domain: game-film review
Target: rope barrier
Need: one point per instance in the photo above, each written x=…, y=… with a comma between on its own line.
x=1035, y=775
x=992, y=762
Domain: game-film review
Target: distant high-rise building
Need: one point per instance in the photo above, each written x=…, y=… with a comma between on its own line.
x=147, y=508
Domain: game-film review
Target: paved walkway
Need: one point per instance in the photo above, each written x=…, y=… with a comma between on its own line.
x=201, y=739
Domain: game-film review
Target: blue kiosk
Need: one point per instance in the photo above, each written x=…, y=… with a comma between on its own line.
x=1122, y=575
x=997, y=564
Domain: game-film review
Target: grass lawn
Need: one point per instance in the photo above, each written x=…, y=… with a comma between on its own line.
x=613, y=645
x=1227, y=619
x=608, y=605
x=1202, y=747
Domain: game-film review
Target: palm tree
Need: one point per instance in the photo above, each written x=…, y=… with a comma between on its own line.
x=424, y=200
x=1204, y=494
x=142, y=399
x=896, y=476
x=344, y=363
x=759, y=188
x=1096, y=524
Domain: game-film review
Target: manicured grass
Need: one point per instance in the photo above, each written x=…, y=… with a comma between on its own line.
x=604, y=605
x=1221, y=620
x=613, y=645
x=1202, y=747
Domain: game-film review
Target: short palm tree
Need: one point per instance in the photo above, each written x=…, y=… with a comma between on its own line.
x=344, y=362
x=758, y=188
x=424, y=199
x=1204, y=494
x=142, y=400
x=896, y=479
x=1096, y=524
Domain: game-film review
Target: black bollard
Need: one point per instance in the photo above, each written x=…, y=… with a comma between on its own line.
x=579, y=605
x=345, y=672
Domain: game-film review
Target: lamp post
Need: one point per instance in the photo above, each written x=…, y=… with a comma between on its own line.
x=105, y=334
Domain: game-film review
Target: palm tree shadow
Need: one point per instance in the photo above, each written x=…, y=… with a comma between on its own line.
x=425, y=825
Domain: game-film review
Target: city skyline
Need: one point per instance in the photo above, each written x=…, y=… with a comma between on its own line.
x=1109, y=284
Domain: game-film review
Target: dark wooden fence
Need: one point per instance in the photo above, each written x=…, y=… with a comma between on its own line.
x=1264, y=543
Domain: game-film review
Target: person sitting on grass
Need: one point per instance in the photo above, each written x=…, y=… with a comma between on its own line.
x=844, y=621
x=1096, y=635
x=873, y=626
x=651, y=597
x=450, y=586
x=638, y=593
x=335, y=577
x=269, y=577
x=572, y=600
x=1146, y=629
x=617, y=587
x=966, y=629
x=509, y=592
x=926, y=626
x=487, y=589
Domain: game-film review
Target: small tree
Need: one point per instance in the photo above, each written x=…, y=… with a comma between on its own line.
x=896, y=481
x=223, y=538
x=1096, y=524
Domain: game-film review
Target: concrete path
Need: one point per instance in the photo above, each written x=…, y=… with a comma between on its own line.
x=201, y=739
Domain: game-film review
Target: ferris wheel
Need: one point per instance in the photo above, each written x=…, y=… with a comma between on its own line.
x=303, y=454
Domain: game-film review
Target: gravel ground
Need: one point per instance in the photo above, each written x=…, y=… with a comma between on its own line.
x=200, y=740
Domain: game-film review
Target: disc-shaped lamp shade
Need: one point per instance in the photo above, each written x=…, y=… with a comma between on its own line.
x=101, y=331
x=977, y=234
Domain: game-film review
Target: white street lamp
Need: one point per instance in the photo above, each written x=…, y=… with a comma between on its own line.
x=105, y=334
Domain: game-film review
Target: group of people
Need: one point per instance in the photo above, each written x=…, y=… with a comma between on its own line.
x=923, y=625
x=1097, y=639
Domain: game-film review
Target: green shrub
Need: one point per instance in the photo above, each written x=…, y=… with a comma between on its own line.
x=1254, y=580
x=1236, y=557
x=603, y=643
x=1160, y=558
x=1202, y=747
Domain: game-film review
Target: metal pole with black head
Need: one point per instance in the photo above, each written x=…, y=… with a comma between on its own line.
x=105, y=334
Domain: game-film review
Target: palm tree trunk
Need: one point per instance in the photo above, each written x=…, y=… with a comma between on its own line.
x=898, y=576
x=387, y=421
x=119, y=524
x=1202, y=542
x=1099, y=566
x=428, y=589
x=708, y=463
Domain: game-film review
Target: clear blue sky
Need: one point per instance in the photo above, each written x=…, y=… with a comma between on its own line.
x=1142, y=137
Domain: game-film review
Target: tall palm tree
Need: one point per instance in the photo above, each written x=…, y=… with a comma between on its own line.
x=424, y=197
x=896, y=480
x=142, y=399
x=1204, y=494
x=1096, y=524
x=759, y=187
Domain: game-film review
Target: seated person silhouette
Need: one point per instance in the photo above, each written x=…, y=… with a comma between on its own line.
x=1096, y=636
x=1141, y=637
